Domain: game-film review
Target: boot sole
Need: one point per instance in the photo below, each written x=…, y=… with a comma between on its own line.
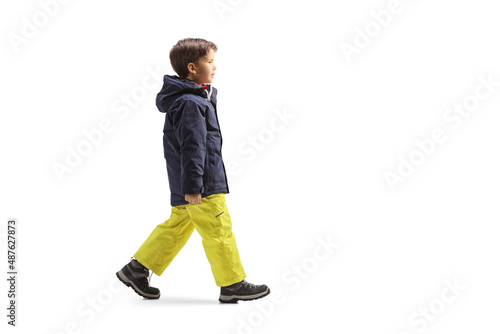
x=234, y=298
x=131, y=284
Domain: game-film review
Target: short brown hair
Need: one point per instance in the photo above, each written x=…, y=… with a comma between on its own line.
x=188, y=50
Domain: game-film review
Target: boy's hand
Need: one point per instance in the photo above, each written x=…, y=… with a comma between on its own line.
x=193, y=198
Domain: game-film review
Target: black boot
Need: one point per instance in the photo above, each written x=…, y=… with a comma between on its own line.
x=135, y=275
x=242, y=291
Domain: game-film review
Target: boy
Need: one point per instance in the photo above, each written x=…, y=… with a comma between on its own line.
x=192, y=148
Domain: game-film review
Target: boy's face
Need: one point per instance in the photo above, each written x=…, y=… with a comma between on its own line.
x=203, y=71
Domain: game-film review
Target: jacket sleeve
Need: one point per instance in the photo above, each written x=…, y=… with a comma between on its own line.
x=191, y=131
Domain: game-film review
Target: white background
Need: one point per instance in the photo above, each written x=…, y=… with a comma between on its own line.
x=321, y=176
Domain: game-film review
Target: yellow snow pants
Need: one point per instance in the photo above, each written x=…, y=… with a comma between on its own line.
x=211, y=220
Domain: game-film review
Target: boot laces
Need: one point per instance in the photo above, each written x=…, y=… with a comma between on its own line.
x=148, y=275
x=253, y=286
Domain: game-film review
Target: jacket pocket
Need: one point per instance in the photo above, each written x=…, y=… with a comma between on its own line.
x=210, y=159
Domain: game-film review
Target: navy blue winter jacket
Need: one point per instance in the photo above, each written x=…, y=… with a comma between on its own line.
x=192, y=139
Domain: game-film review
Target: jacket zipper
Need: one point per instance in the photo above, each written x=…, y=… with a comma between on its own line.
x=220, y=133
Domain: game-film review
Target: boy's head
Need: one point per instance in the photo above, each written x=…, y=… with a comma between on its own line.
x=193, y=59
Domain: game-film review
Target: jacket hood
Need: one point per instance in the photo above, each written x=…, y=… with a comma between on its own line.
x=174, y=87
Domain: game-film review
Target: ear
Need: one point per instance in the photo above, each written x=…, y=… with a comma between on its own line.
x=191, y=68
